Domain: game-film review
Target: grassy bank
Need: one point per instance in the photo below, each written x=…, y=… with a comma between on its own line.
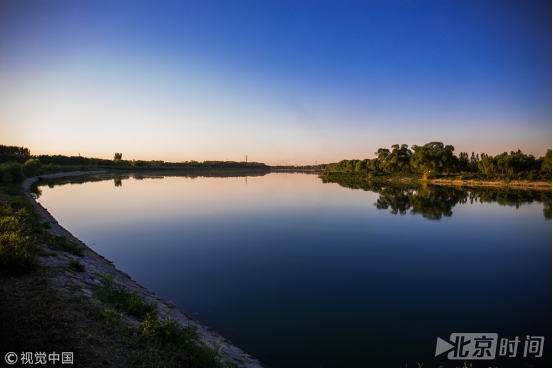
x=23, y=233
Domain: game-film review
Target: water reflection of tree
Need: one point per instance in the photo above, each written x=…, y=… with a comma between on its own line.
x=118, y=178
x=547, y=209
x=396, y=198
x=431, y=202
x=435, y=202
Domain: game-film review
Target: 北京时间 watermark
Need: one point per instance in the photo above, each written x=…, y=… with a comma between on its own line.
x=484, y=346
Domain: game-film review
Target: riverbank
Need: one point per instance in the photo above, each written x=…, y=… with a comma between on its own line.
x=445, y=180
x=83, y=285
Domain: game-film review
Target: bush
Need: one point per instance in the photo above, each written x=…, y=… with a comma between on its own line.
x=17, y=254
x=11, y=173
x=76, y=265
x=7, y=178
x=32, y=167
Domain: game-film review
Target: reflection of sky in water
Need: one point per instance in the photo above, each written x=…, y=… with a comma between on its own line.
x=305, y=274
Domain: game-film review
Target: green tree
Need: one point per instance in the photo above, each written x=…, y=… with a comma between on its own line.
x=487, y=164
x=382, y=154
x=464, y=161
x=434, y=156
x=397, y=160
x=361, y=165
x=117, y=156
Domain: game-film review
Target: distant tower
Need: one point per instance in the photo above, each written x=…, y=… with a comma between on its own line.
x=246, y=158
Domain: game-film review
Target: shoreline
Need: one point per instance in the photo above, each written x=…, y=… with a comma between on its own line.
x=515, y=184
x=96, y=264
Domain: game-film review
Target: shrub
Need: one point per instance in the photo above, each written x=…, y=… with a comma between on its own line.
x=51, y=168
x=32, y=167
x=11, y=173
x=76, y=265
x=7, y=178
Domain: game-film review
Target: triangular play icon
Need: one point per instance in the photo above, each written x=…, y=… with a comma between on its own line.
x=442, y=346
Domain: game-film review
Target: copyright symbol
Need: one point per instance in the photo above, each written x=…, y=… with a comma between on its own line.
x=11, y=358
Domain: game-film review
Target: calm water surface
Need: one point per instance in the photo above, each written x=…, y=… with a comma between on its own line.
x=302, y=273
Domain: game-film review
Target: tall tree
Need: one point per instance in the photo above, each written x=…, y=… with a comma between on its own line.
x=399, y=159
x=434, y=156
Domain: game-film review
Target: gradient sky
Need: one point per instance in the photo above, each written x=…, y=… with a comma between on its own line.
x=285, y=82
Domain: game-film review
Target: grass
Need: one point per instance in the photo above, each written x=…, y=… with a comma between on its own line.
x=161, y=343
x=44, y=253
x=59, y=242
x=120, y=298
x=180, y=345
x=75, y=265
x=17, y=253
x=17, y=234
x=164, y=342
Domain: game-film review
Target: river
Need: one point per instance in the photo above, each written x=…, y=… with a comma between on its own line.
x=303, y=273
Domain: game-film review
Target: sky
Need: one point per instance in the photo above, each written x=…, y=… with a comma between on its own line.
x=284, y=82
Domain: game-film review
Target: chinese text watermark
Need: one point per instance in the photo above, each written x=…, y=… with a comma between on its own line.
x=39, y=358
x=483, y=346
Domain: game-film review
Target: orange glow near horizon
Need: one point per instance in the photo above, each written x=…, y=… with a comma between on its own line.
x=536, y=147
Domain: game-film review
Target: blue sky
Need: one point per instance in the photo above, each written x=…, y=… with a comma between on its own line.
x=285, y=82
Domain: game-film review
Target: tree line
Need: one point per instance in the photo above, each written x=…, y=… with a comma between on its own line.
x=14, y=150
x=435, y=157
x=22, y=155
